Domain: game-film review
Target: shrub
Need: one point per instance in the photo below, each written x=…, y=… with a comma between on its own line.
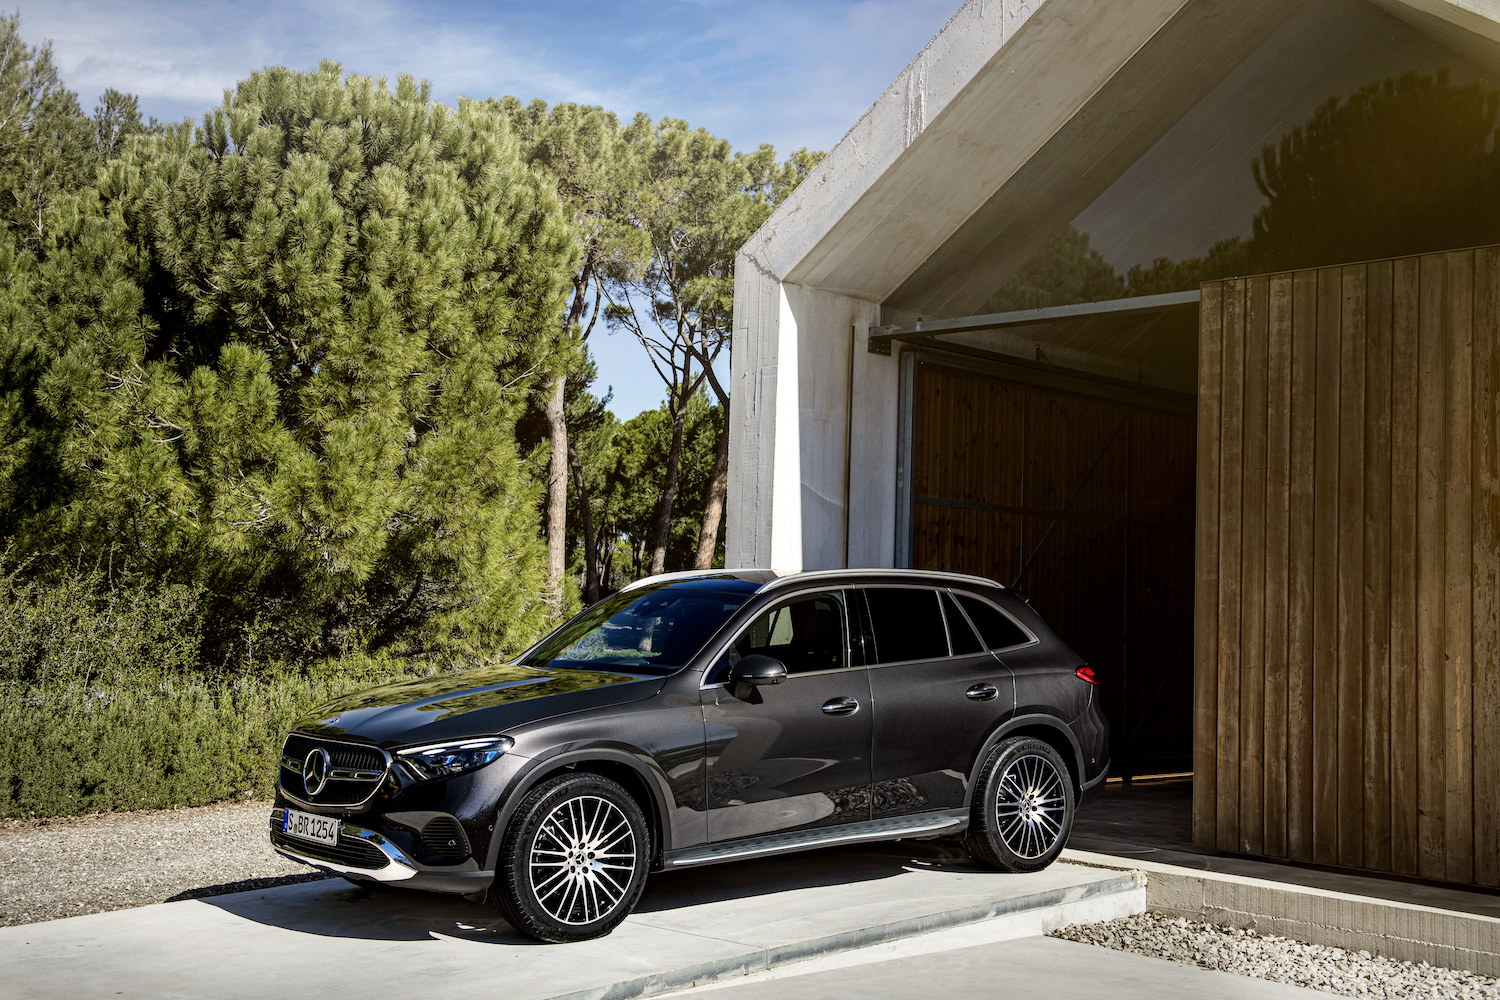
x=105, y=704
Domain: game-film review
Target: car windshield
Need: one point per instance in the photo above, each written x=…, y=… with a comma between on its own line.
x=652, y=630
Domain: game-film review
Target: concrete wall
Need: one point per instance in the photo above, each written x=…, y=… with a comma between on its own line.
x=801, y=372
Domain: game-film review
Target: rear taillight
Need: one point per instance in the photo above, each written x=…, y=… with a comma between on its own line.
x=1086, y=674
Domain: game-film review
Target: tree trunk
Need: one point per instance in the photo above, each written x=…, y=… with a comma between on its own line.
x=557, y=491
x=663, y=521
x=557, y=426
x=590, y=545
x=713, y=512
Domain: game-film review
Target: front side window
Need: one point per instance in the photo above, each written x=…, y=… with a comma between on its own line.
x=650, y=630
x=908, y=624
x=805, y=634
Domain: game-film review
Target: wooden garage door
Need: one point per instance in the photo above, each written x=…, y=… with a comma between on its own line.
x=1081, y=497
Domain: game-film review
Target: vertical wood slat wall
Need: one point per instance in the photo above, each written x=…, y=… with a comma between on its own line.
x=1347, y=642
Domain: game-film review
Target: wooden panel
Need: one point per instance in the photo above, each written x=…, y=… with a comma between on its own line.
x=1206, y=572
x=1324, y=662
x=1405, y=385
x=1231, y=507
x=1253, y=571
x=1429, y=553
x=1301, y=506
x=1349, y=710
x=1086, y=503
x=1376, y=667
x=1486, y=569
x=1458, y=598
x=1277, y=554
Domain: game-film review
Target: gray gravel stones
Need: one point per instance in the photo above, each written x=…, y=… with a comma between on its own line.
x=87, y=864
x=1282, y=960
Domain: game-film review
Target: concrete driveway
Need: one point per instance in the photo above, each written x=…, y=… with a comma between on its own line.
x=331, y=938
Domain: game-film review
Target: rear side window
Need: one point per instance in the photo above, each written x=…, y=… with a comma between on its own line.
x=960, y=636
x=907, y=624
x=994, y=625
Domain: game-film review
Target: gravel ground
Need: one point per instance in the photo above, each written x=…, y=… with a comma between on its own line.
x=87, y=864
x=1282, y=960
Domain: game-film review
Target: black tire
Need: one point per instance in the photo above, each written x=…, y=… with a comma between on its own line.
x=559, y=876
x=1023, y=807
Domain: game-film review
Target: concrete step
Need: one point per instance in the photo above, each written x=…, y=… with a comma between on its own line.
x=1406, y=931
x=693, y=927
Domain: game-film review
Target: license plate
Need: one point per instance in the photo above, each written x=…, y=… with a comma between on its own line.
x=323, y=829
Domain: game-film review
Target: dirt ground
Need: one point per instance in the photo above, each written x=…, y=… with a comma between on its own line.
x=73, y=865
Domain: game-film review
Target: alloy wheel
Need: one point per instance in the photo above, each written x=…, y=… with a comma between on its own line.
x=1030, y=806
x=582, y=860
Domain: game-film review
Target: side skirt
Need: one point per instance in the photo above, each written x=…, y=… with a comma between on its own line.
x=931, y=824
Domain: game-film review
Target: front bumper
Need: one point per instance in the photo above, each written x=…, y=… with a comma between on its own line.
x=365, y=855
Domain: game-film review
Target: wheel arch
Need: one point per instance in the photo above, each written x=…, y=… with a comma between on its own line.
x=620, y=766
x=1043, y=727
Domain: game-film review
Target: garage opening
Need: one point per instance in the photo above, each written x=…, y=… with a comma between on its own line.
x=1078, y=491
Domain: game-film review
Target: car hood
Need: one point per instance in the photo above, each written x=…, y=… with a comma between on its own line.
x=481, y=701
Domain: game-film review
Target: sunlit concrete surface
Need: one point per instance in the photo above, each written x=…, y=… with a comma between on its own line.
x=1027, y=967
x=333, y=939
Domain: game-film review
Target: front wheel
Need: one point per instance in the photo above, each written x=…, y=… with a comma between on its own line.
x=574, y=858
x=1023, y=807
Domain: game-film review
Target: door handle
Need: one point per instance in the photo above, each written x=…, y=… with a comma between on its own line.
x=982, y=692
x=840, y=706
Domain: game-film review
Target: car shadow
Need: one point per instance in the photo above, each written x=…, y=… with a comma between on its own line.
x=335, y=908
x=672, y=890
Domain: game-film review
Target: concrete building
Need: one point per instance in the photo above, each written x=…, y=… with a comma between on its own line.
x=877, y=422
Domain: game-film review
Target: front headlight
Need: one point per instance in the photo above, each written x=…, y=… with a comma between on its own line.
x=440, y=760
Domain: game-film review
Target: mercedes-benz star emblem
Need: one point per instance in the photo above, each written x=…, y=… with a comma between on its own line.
x=315, y=771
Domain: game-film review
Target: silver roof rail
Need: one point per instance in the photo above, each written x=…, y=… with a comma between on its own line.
x=686, y=574
x=787, y=578
x=898, y=574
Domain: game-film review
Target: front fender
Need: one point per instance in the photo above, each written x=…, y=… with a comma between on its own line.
x=546, y=765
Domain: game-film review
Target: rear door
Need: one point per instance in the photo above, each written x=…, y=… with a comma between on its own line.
x=938, y=693
x=795, y=755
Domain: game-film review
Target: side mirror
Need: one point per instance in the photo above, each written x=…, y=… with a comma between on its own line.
x=756, y=669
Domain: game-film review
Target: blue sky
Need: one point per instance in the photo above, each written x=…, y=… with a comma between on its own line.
x=789, y=73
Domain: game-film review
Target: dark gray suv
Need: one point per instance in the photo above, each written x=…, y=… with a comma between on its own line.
x=704, y=717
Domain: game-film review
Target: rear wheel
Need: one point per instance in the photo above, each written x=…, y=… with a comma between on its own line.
x=1023, y=807
x=574, y=858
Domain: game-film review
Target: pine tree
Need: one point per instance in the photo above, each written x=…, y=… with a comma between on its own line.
x=44, y=137
x=288, y=348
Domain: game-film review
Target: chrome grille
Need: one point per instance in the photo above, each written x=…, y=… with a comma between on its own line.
x=355, y=770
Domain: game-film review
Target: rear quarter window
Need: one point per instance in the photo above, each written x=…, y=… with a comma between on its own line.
x=996, y=627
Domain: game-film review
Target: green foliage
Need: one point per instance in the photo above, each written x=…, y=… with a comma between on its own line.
x=104, y=703
x=1062, y=272
x=1228, y=257
x=158, y=742
x=45, y=140
x=281, y=355
x=635, y=478
x=1401, y=166
x=117, y=117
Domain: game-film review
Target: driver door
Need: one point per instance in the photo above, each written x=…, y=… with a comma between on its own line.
x=795, y=755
